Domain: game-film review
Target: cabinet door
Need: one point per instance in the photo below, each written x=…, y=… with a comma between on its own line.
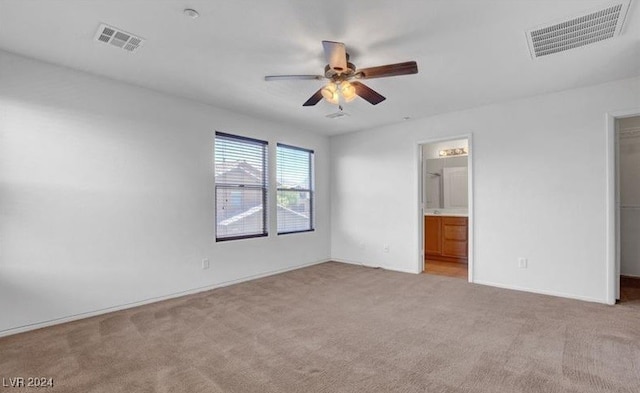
x=432, y=234
x=454, y=237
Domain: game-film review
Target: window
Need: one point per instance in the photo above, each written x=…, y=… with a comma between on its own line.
x=241, y=187
x=295, y=189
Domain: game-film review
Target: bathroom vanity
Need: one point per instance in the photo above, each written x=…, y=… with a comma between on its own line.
x=446, y=236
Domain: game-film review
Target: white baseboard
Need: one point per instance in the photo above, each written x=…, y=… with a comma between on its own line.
x=542, y=292
x=89, y=314
x=352, y=262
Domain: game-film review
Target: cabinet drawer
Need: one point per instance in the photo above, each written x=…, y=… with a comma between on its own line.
x=454, y=221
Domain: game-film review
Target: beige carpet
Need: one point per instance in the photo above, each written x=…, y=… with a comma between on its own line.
x=340, y=328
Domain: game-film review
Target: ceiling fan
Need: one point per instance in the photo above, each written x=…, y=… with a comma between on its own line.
x=341, y=74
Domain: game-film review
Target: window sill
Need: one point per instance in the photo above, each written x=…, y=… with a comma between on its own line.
x=292, y=232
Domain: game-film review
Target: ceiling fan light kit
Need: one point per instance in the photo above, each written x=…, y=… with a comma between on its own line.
x=340, y=73
x=333, y=91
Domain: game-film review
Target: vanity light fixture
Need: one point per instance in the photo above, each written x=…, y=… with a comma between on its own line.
x=458, y=151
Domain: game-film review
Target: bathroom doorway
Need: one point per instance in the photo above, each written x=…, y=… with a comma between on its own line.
x=628, y=206
x=446, y=207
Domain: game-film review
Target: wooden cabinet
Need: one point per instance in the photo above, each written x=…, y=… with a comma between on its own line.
x=446, y=238
x=432, y=243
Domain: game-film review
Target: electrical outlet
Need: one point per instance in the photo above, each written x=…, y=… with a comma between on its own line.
x=522, y=263
x=385, y=248
x=205, y=263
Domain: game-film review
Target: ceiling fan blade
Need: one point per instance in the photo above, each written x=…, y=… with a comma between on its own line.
x=368, y=93
x=406, y=68
x=292, y=77
x=336, y=55
x=314, y=99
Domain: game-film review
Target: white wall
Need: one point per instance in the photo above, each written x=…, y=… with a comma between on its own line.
x=106, y=195
x=539, y=183
x=629, y=164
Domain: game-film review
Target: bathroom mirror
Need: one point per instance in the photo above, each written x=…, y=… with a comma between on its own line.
x=444, y=177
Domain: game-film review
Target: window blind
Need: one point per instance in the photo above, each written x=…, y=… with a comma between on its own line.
x=295, y=189
x=240, y=187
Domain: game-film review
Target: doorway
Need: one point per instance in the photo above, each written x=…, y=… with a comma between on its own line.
x=627, y=134
x=446, y=200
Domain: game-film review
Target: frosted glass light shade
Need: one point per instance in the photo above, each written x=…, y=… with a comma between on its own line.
x=348, y=91
x=330, y=93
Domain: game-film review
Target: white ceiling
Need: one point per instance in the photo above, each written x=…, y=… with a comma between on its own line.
x=469, y=53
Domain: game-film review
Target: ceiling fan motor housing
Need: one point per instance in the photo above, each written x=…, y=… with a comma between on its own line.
x=337, y=75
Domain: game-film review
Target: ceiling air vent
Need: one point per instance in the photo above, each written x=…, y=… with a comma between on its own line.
x=119, y=38
x=583, y=30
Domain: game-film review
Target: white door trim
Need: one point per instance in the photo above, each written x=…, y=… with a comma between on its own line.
x=471, y=234
x=612, y=212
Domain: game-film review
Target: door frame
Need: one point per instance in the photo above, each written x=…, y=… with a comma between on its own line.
x=471, y=231
x=612, y=204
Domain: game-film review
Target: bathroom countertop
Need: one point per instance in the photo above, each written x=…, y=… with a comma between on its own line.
x=447, y=212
